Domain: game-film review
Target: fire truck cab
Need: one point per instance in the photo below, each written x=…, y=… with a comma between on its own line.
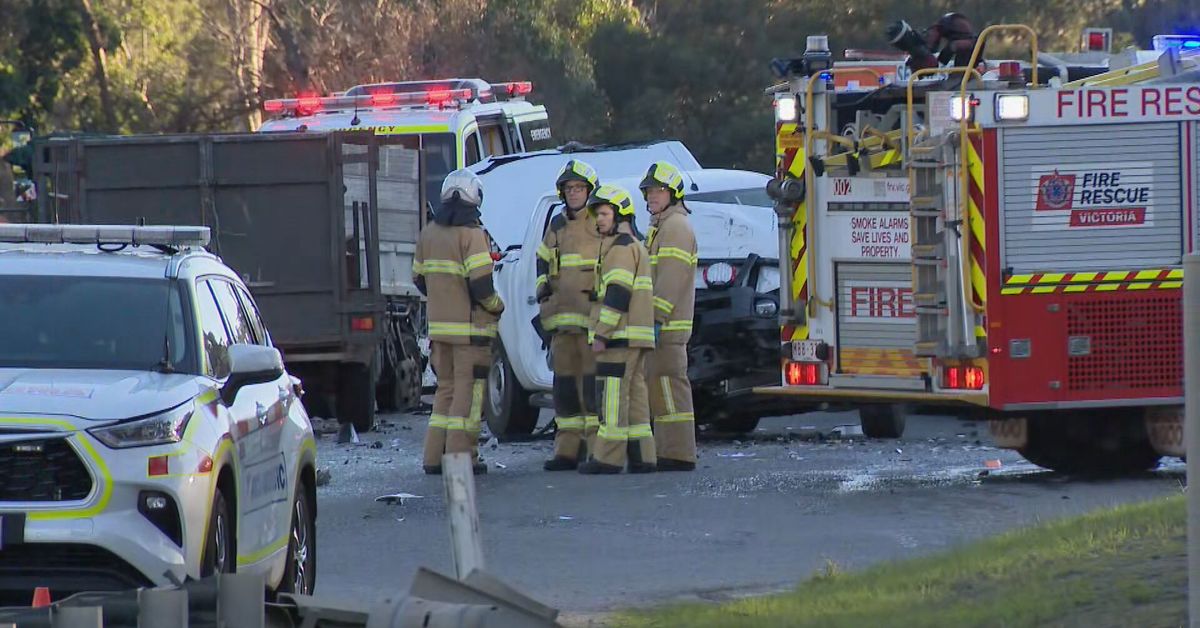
x=454, y=122
x=1003, y=239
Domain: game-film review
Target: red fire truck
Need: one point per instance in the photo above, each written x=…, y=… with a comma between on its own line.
x=1005, y=240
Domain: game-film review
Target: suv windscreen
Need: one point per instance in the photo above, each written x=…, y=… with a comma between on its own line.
x=93, y=323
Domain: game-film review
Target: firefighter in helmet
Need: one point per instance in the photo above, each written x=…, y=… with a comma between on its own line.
x=453, y=269
x=672, y=247
x=566, y=263
x=622, y=330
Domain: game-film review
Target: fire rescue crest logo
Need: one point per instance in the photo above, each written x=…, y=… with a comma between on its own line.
x=1055, y=191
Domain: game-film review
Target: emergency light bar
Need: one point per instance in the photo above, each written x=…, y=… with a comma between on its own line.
x=309, y=104
x=1188, y=43
x=175, y=236
x=513, y=88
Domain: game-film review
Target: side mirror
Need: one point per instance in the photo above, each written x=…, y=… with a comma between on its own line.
x=248, y=365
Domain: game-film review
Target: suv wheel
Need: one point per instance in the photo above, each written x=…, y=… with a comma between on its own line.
x=507, y=409
x=219, y=547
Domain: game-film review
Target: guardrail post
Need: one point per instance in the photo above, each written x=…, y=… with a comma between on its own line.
x=162, y=607
x=240, y=600
x=1191, y=346
x=466, y=543
x=77, y=617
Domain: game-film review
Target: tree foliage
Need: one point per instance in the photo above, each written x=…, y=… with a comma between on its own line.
x=609, y=70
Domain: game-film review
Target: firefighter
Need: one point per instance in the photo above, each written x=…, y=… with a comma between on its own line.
x=453, y=269
x=672, y=247
x=622, y=330
x=566, y=261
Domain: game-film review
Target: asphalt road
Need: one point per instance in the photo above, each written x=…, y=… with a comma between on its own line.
x=758, y=514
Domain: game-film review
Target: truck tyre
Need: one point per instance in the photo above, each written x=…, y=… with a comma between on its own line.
x=886, y=421
x=356, y=396
x=1083, y=444
x=509, y=414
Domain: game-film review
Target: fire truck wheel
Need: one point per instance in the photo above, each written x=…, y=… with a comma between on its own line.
x=883, y=421
x=1083, y=445
x=509, y=414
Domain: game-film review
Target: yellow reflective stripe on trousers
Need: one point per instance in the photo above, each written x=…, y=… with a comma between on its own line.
x=574, y=260
x=591, y=421
x=476, y=412
x=444, y=267
x=569, y=422
x=619, y=275
x=612, y=410
x=677, y=417
x=668, y=400
x=439, y=420
x=609, y=316
x=462, y=329
x=675, y=253
x=640, y=431
x=477, y=261
x=663, y=305
x=683, y=325
x=456, y=423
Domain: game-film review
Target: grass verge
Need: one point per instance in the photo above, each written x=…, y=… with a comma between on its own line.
x=1125, y=566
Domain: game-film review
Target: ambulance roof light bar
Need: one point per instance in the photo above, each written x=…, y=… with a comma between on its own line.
x=307, y=105
x=513, y=89
x=173, y=236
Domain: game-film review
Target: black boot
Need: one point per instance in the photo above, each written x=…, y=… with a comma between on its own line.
x=479, y=468
x=667, y=464
x=560, y=463
x=642, y=467
x=595, y=467
x=433, y=469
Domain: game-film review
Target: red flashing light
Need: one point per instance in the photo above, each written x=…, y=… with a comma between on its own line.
x=383, y=99
x=157, y=466
x=802, y=373
x=437, y=97
x=362, y=323
x=1095, y=42
x=308, y=104
x=519, y=88
x=273, y=106
x=964, y=378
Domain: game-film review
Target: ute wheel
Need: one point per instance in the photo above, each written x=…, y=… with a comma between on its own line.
x=355, y=396
x=220, y=549
x=883, y=421
x=507, y=409
x=300, y=571
x=1098, y=443
x=737, y=424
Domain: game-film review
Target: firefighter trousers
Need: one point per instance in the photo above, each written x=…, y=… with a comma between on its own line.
x=671, y=403
x=458, y=403
x=624, y=433
x=574, y=395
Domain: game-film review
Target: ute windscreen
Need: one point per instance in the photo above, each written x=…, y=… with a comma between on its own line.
x=93, y=323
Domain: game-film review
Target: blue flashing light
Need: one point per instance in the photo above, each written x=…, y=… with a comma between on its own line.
x=827, y=76
x=1163, y=43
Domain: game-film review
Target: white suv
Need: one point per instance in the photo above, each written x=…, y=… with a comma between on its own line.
x=148, y=430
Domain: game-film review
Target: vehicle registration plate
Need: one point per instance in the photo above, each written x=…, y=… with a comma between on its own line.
x=805, y=350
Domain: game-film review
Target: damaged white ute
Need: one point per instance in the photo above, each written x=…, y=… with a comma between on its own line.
x=148, y=430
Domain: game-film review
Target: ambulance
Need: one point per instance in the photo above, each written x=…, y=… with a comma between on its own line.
x=1002, y=240
x=453, y=122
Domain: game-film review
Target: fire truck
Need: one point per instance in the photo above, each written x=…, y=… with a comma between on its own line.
x=1003, y=240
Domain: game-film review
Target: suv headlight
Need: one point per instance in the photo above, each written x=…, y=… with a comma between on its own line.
x=160, y=429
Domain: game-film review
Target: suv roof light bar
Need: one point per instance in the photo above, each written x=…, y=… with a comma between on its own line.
x=174, y=236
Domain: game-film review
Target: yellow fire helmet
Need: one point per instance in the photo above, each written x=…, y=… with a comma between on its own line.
x=663, y=174
x=576, y=170
x=612, y=195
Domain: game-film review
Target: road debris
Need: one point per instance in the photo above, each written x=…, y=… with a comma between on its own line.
x=397, y=498
x=324, y=426
x=992, y=464
x=324, y=476
x=377, y=445
x=737, y=454
x=566, y=518
x=348, y=435
x=501, y=465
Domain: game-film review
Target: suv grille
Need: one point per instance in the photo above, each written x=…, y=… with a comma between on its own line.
x=42, y=470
